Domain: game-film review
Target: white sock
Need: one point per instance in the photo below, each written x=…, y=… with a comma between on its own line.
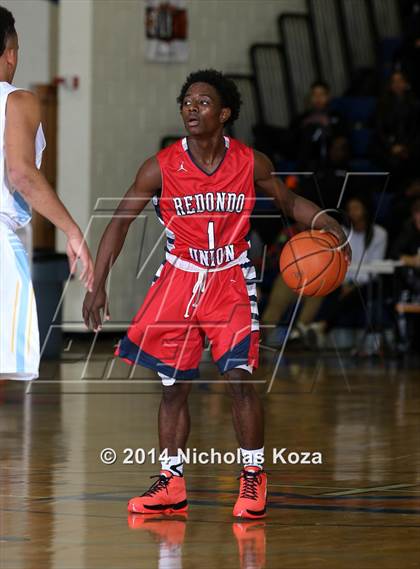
x=253, y=457
x=174, y=464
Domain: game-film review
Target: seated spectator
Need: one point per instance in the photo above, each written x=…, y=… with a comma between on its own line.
x=407, y=249
x=402, y=208
x=368, y=242
x=395, y=144
x=325, y=188
x=407, y=278
x=313, y=131
x=407, y=245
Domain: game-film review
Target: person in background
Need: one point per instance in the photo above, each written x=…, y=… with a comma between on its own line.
x=278, y=295
x=313, y=131
x=407, y=278
x=408, y=57
x=396, y=141
x=407, y=246
x=324, y=188
x=368, y=242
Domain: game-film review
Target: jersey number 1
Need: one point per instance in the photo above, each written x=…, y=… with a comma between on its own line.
x=210, y=231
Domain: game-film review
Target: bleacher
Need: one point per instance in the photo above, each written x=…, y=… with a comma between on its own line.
x=348, y=44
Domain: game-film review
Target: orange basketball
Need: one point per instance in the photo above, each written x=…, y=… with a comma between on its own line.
x=312, y=264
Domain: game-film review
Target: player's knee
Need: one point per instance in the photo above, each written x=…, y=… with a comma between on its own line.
x=239, y=384
x=175, y=394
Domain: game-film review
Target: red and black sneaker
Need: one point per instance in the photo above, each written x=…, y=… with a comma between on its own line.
x=252, y=499
x=167, y=494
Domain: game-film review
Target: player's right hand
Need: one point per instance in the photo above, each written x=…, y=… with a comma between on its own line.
x=95, y=309
x=77, y=249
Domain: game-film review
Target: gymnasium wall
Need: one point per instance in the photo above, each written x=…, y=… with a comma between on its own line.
x=124, y=106
x=134, y=106
x=75, y=58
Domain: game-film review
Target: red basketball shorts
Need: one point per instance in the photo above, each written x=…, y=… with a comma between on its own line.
x=182, y=308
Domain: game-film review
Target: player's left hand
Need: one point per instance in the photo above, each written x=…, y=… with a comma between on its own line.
x=335, y=228
x=95, y=309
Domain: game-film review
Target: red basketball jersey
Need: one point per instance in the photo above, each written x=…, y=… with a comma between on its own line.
x=206, y=216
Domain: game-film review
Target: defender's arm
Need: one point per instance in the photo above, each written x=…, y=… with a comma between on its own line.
x=23, y=117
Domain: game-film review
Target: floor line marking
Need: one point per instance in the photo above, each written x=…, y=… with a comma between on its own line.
x=370, y=489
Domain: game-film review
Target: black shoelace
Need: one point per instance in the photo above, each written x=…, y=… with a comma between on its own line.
x=251, y=482
x=160, y=484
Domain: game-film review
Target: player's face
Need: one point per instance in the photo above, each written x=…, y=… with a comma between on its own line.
x=11, y=55
x=202, y=110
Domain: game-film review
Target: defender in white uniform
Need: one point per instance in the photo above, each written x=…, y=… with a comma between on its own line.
x=23, y=186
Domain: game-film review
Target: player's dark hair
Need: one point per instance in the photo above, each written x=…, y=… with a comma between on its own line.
x=226, y=88
x=7, y=27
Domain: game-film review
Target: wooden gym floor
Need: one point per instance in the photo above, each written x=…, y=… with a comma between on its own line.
x=62, y=508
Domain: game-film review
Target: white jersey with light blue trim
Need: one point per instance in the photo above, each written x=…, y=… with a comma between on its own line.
x=14, y=210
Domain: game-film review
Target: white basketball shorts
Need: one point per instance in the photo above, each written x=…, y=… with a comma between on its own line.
x=19, y=336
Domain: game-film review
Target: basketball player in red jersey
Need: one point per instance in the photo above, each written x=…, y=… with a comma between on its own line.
x=203, y=189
